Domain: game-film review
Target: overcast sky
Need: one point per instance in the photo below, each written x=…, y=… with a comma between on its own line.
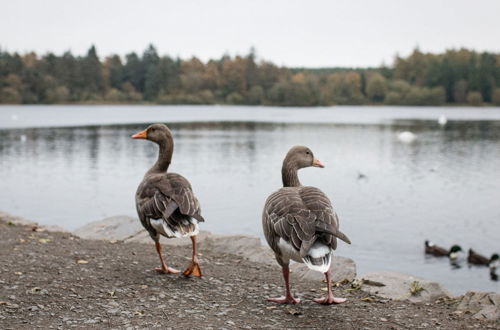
x=293, y=33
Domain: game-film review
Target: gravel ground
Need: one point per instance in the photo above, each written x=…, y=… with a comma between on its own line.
x=56, y=280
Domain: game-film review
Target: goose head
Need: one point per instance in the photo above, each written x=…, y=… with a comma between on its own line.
x=301, y=157
x=157, y=133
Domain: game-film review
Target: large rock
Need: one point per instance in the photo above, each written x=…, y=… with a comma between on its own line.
x=343, y=269
x=484, y=305
x=127, y=229
x=248, y=247
x=15, y=220
x=116, y=228
x=398, y=286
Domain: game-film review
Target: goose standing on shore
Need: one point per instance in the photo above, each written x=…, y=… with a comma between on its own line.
x=300, y=224
x=165, y=201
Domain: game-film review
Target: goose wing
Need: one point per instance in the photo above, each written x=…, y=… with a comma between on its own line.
x=298, y=216
x=327, y=220
x=168, y=197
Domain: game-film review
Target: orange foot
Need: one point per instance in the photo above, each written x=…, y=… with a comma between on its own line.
x=329, y=300
x=193, y=269
x=284, y=300
x=167, y=270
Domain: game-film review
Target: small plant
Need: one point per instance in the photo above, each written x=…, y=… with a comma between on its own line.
x=415, y=288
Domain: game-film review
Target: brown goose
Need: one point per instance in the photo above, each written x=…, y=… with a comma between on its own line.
x=165, y=201
x=300, y=224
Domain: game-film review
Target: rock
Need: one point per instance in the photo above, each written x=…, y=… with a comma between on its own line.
x=15, y=220
x=112, y=228
x=343, y=269
x=397, y=286
x=127, y=229
x=484, y=305
x=245, y=246
x=9, y=218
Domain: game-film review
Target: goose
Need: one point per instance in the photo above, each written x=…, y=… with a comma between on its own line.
x=165, y=201
x=437, y=251
x=300, y=224
x=478, y=259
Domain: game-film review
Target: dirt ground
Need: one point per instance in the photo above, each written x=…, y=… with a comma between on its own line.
x=55, y=280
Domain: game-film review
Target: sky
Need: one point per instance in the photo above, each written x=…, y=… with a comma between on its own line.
x=312, y=33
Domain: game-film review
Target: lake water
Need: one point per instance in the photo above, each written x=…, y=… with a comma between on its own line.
x=69, y=165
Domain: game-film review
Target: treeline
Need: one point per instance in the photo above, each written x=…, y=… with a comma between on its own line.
x=454, y=77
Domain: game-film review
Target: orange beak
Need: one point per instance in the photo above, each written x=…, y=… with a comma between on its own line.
x=141, y=135
x=318, y=163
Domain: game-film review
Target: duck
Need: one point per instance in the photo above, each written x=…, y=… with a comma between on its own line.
x=437, y=251
x=478, y=259
x=300, y=224
x=165, y=201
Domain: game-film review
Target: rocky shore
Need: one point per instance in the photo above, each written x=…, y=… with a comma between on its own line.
x=101, y=276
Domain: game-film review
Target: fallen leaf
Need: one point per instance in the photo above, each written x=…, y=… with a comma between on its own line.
x=82, y=262
x=35, y=290
x=3, y=303
x=368, y=299
x=44, y=240
x=22, y=240
x=144, y=286
x=294, y=312
x=18, y=273
x=38, y=229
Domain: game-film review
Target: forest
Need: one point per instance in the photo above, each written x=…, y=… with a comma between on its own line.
x=456, y=77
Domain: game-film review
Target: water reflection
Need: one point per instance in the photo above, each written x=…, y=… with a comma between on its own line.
x=444, y=186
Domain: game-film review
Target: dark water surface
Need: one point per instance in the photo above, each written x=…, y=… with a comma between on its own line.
x=445, y=186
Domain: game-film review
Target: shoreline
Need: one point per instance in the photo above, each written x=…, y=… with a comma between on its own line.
x=57, y=278
x=389, y=285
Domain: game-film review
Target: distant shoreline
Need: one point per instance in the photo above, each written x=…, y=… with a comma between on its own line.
x=457, y=76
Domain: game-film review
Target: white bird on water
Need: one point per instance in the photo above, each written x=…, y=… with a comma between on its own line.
x=442, y=120
x=406, y=137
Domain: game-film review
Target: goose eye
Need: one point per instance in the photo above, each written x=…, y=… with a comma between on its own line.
x=307, y=152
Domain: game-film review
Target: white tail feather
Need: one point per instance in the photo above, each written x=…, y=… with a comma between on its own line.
x=322, y=251
x=161, y=227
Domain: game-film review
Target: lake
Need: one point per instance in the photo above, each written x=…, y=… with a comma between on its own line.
x=69, y=165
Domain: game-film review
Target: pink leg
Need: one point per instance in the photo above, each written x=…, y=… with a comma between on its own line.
x=164, y=268
x=329, y=299
x=288, y=299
